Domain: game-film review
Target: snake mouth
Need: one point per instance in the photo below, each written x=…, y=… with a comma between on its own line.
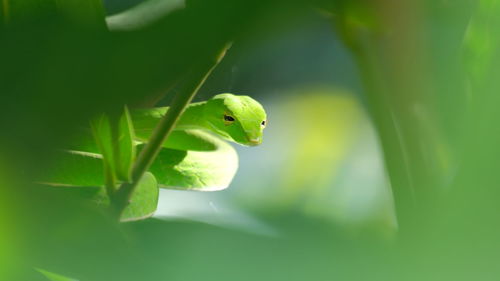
x=254, y=142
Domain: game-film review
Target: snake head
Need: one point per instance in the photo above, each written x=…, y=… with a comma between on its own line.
x=240, y=119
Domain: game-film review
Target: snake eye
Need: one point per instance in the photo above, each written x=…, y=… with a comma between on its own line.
x=228, y=118
x=263, y=123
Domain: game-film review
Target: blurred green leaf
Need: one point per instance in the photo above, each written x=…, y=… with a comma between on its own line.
x=115, y=138
x=125, y=156
x=142, y=204
x=144, y=199
x=400, y=95
x=105, y=134
x=74, y=168
x=55, y=71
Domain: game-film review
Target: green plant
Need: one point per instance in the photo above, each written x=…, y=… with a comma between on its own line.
x=428, y=70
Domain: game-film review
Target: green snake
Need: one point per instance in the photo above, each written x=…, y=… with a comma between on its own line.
x=208, y=163
x=194, y=156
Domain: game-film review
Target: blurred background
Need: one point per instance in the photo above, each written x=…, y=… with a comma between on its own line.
x=378, y=163
x=321, y=157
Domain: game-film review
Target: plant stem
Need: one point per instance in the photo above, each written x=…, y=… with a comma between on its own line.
x=196, y=78
x=395, y=70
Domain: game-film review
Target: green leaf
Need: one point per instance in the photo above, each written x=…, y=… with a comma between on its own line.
x=115, y=138
x=103, y=135
x=144, y=199
x=124, y=159
x=74, y=168
x=80, y=174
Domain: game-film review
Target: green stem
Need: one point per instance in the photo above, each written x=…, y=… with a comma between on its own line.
x=397, y=93
x=197, y=77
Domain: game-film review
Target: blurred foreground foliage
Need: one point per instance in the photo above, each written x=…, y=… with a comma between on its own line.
x=430, y=89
